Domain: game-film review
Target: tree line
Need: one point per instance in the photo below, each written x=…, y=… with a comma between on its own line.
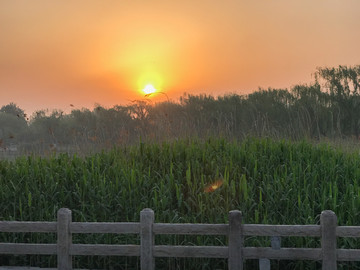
x=329, y=107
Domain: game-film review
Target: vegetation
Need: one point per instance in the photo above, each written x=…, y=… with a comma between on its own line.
x=327, y=108
x=272, y=182
x=165, y=156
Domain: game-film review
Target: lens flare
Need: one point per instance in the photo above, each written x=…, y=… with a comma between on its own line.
x=213, y=186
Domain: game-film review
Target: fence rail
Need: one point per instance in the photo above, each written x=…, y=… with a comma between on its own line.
x=235, y=231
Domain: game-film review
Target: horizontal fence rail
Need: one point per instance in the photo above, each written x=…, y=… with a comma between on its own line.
x=235, y=231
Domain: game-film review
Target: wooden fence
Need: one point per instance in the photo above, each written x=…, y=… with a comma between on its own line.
x=235, y=231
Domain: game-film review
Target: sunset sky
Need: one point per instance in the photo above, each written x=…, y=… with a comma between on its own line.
x=57, y=53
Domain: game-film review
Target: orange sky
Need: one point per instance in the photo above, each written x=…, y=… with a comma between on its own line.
x=57, y=53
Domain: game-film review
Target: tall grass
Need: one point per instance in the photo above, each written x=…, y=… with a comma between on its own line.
x=272, y=182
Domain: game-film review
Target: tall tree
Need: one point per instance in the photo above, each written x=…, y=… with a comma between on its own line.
x=343, y=85
x=13, y=109
x=13, y=126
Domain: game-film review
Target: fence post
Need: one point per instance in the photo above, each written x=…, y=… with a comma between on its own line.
x=147, y=260
x=328, y=222
x=64, y=239
x=235, y=260
x=264, y=263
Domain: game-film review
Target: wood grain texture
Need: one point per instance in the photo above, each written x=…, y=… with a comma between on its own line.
x=105, y=250
x=328, y=221
x=147, y=240
x=235, y=260
x=348, y=231
x=348, y=254
x=27, y=226
x=186, y=228
x=235, y=230
x=64, y=239
x=282, y=254
x=191, y=251
x=24, y=268
x=105, y=227
x=10, y=248
x=281, y=230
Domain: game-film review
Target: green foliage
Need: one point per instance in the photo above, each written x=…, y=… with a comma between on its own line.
x=14, y=110
x=272, y=182
x=12, y=129
x=327, y=108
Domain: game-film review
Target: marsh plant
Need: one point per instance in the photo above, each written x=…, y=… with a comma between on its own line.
x=189, y=180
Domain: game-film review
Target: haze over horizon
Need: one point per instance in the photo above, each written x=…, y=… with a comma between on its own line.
x=57, y=53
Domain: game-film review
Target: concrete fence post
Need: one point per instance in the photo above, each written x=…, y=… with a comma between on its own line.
x=235, y=260
x=328, y=222
x=264, y=263
x=147, y=240
x=64, y=239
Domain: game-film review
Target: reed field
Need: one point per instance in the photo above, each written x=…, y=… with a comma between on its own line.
x=188, y=180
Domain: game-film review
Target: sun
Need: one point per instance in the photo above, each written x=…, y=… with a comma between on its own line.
x=149, y=89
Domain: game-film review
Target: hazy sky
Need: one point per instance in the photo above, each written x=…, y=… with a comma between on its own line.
x=57, y=53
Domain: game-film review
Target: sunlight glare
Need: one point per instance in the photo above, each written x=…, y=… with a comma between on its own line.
x=149, y=89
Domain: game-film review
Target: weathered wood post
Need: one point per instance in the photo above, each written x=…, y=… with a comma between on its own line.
x=235, y=260
x=328, y=222
x=64, y=239
x=147, y=260
x=264, y=263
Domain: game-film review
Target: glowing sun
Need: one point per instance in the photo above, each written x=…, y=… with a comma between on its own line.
x=149, y=89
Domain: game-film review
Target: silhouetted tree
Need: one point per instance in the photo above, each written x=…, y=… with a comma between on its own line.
x=13, y=109
x=13, y=126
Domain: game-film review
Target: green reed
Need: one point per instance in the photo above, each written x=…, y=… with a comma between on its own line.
x=272, y=182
